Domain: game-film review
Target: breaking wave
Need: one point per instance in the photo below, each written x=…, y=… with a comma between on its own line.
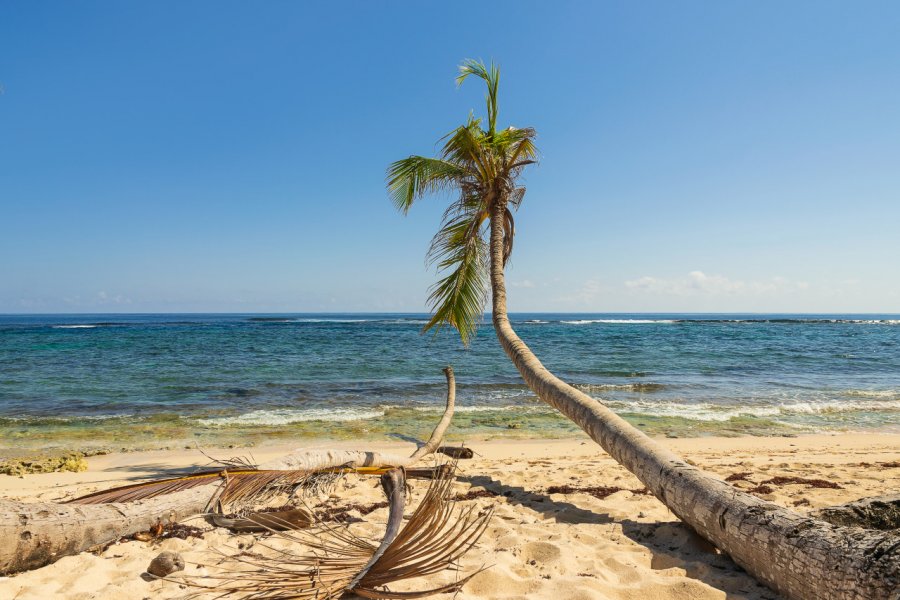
x=276, y=417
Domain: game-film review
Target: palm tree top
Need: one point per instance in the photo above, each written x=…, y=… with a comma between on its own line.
x=481, y=166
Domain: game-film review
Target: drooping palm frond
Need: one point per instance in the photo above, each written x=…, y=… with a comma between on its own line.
x=509, y=232
x=413, y=177
x=516, y=197
x=459, y=298
x=432, y=540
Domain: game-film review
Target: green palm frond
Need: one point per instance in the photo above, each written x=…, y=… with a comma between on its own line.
x=466, y=145
x=411, y=178
x=458, y=299
x=482, y=167
x=491, y=77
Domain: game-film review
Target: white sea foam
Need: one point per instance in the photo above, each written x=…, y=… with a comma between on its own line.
x=476, y=409
x=329, y=321
x=288, y=416
x=696, y=412
x=875, y=394
x=74, y=326
x=458, y=409
x=719, y=412
x=618, y=321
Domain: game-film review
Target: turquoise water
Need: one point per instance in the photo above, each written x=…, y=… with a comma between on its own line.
x=140, y=380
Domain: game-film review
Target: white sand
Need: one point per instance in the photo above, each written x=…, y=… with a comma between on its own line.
x=539, y=545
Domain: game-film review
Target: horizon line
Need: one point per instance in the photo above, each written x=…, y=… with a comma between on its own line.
x=531, y=312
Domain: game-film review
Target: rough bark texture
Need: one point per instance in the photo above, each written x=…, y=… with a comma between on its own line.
x=36, y=534
x=798, y=556
x=882, y=513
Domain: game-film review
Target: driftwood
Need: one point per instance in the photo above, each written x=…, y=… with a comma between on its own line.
x=33, y=534
x=456, y=452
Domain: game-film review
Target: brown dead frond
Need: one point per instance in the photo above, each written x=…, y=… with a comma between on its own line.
x=240, y=486
x=436, y=535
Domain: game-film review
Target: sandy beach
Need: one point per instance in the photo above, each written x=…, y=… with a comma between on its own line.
x=539, y=544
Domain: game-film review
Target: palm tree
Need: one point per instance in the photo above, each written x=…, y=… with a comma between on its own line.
x=799, y=556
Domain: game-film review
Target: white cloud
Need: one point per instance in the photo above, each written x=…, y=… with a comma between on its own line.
x=698, y=283
x=104, y=298
x=525, y=283
x=589, y=292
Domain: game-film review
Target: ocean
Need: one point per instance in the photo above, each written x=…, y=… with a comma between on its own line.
x=153, y=381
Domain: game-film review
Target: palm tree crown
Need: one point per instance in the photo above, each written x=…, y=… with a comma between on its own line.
x=481, y=167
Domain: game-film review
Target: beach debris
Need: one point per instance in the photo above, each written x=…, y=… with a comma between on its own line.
x=342, y=514
x=813, y=483
x=475, y=494
x=764, y=487
x=161, y=531
x=600, y=491
x=431, y=540
x=143, y=536
x=165, y=564
x=259, y=521
x=456, y=452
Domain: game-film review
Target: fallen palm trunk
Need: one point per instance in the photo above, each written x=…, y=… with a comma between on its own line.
x=35, y=534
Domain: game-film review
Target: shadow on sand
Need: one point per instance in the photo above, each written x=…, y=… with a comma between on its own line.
x=671, y=543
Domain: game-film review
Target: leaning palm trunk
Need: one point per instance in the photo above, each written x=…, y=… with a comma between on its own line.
x=36, y=534
x=800, y=557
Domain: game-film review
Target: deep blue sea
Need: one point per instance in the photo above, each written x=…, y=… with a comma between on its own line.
x=146, y=380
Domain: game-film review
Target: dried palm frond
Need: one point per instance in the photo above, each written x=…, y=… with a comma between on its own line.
x=258, y=522
x=432, y=540
x=246, y=485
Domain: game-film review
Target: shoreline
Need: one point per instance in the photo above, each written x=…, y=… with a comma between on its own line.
x=123, y=435
x=540, y=543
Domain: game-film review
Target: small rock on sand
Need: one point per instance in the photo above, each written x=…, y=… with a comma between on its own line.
x=166, y=563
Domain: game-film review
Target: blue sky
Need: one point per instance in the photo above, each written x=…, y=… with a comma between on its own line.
x=226, y=156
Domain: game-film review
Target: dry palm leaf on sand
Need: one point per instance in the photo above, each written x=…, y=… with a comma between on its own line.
x=239, y=486
x=338, y=561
